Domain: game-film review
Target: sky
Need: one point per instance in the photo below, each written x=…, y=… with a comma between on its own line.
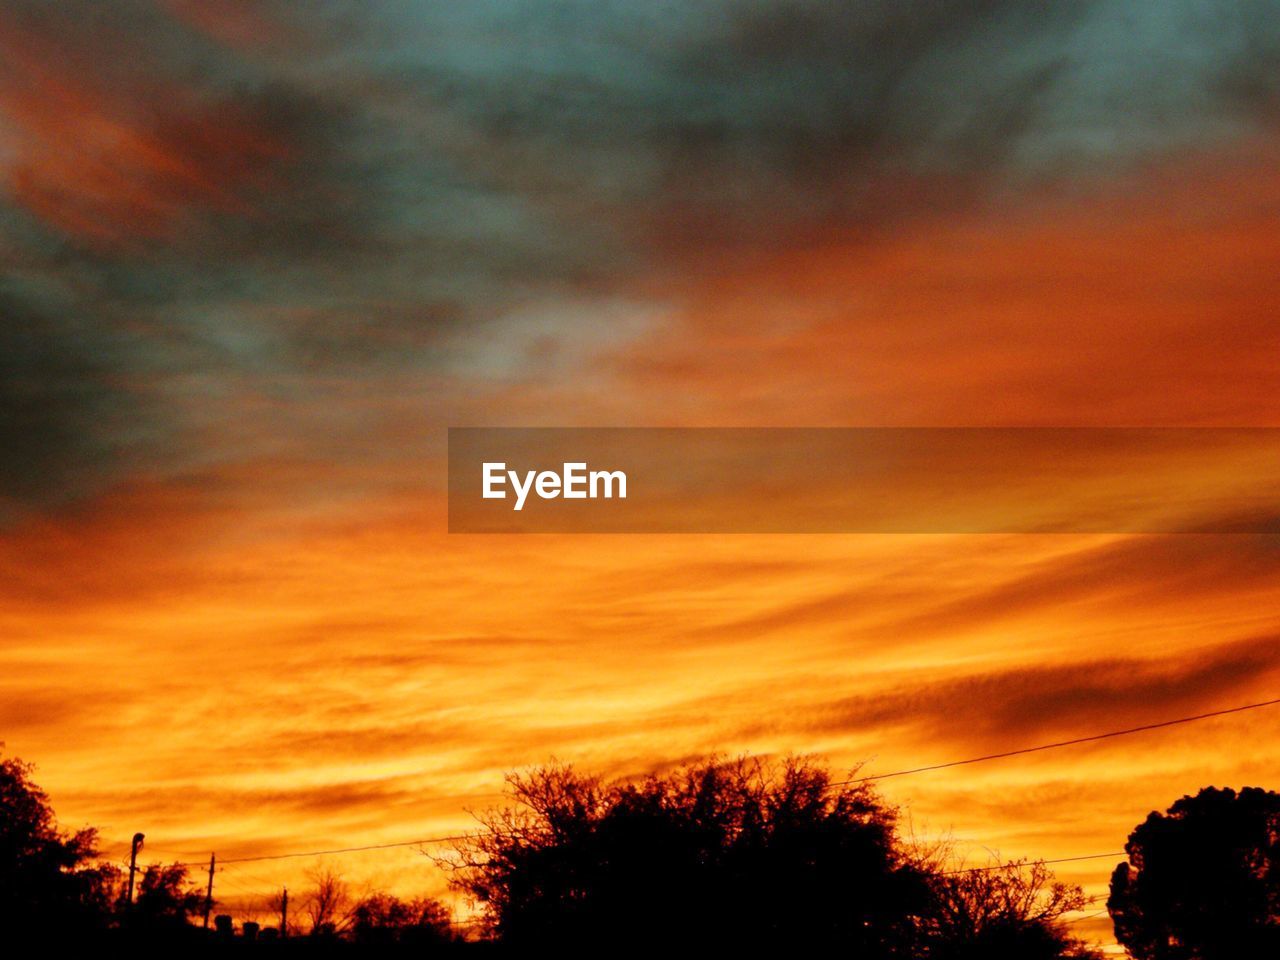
x=259, y=256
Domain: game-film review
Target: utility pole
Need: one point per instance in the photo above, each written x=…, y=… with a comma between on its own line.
x=208, y=895
x=284, y=912
x=133, y=863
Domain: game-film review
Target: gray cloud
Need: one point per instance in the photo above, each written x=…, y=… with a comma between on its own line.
x=380, y=176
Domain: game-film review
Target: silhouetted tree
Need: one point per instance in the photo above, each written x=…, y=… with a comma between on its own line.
x=165, y=900
x=713, y=854
x=47, y=878
x=1009, y=912
x=328, y=904
x=383, y=919
x=1202, y=881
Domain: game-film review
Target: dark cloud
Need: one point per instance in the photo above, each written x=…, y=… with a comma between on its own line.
x=1143, y=572
x=47, y=400
x=726, y=118
x=1133, y=573
x=25, y=711
x=1023, y=706
x=191, y=218
x=351, y=798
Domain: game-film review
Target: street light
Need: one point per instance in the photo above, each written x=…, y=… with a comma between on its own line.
x=133, y=863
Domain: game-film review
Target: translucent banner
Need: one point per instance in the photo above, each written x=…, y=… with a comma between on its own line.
x=864, y=480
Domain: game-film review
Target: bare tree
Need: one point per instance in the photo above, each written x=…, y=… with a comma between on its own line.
x=1008, y=910
x=328, y=904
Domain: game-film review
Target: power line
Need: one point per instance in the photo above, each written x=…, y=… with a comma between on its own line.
x=1091, y=916
x=1014, y=863
x=1061, y=743
x=321, y=853
x=239, y=886
x=836, y=783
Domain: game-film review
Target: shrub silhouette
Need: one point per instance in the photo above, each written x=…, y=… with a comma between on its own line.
x=1202, y=881
x=165, y=900
x=1010, y=911
x=720, y=854
x=381, y=919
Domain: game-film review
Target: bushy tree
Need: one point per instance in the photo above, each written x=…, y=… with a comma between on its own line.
x=48, y=879
x=723, y=854
x=383, y=919
x=1202, y=880
x=165, y=899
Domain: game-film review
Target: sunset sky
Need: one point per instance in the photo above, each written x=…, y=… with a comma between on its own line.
x=258, y=257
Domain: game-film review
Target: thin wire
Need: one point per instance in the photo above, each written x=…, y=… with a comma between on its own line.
x=238, y=886
x=321, y=853
x=1091, y=916
x=245, y=874
x=1014, y=863
x=1059, y=744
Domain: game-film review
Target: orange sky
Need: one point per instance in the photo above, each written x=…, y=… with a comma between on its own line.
x=234, y=621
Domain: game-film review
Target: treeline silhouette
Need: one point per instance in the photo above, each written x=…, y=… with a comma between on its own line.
x=727, y=856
